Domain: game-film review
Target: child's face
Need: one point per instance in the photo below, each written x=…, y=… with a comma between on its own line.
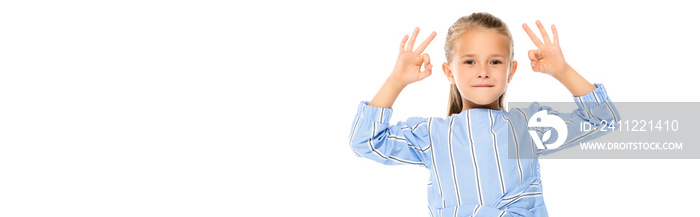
x=480, y=67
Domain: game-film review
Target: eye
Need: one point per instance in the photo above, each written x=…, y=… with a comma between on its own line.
x=470, y=62
x=494, y=62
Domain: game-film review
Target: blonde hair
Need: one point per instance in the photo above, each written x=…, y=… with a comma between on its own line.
x=475, y=21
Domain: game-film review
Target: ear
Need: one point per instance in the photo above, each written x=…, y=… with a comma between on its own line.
x=514, y=66
x=448, y=73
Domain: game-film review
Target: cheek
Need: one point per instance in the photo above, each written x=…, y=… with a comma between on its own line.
x=502, y=73
x=463, y=73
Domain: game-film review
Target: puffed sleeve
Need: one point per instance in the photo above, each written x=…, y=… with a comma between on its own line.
x=373, y=137
x=594, y=109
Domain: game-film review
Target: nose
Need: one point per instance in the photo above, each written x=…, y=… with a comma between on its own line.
x=483, y=73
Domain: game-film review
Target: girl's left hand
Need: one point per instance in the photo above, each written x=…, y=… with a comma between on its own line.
x=548, y=57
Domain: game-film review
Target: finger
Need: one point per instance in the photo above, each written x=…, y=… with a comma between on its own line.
x=540, y=67
x=555, y=35
x=532, y=35
x=427, y=72
x=532, y=54
x=427, y=67
x=425, y=43
x=402, y=47
x=413, y=39
x=426, y=58
x=544, y=33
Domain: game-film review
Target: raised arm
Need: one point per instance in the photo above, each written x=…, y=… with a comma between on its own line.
x=406, y=70
x=372, y=136
x=594, y=105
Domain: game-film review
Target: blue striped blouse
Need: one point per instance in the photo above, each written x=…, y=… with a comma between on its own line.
x=471, y=173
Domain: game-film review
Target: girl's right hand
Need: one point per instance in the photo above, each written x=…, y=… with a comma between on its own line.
x=408, y=65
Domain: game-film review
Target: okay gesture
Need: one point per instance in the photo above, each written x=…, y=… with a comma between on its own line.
x=548, y=57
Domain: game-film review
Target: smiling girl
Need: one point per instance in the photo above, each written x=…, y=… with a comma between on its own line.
x=467, y=153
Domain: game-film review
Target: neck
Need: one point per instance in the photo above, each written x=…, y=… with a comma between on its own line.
x=466, y=104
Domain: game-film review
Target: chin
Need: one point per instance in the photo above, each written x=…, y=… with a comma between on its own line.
x=483, y=96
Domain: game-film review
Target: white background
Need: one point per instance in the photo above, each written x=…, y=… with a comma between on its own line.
x=220, y=108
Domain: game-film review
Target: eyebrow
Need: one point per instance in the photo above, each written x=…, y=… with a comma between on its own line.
x=474, y=55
